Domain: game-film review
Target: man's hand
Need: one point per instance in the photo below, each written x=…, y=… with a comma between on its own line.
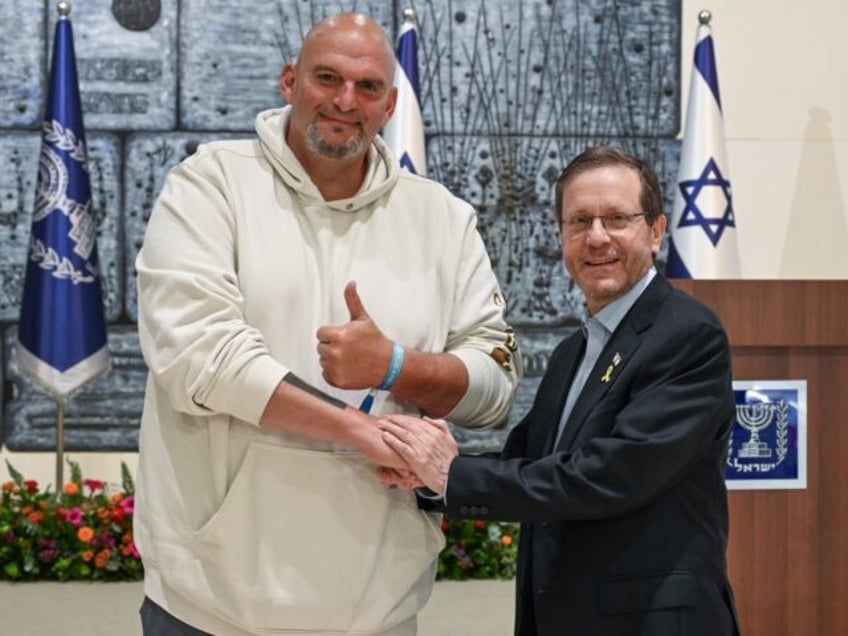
x=425, y=444
x=398, y=478
x=369, y=440
x=355, y=355
x=390, y=461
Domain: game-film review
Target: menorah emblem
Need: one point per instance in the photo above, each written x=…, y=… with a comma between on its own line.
x=754, y=418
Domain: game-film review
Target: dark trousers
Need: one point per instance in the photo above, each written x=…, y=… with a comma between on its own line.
x=157, y=622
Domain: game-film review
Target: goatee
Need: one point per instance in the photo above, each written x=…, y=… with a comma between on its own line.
x=331, y=150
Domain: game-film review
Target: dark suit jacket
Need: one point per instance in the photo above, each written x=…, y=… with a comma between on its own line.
x=624, y=523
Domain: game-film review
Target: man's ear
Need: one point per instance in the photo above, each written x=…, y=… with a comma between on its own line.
x=390, y=105
x=287, y=78
x=657, y=233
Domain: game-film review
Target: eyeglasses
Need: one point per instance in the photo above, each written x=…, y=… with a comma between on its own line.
x=613, y=223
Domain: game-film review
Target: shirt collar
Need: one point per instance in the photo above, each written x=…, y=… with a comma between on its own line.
x=612, y=314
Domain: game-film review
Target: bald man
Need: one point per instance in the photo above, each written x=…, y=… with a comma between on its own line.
x=292, y=289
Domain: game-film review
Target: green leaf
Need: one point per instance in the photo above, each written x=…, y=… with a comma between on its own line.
x=76, y=473
x=12, y=570
x=126, y=479
x=16, y=476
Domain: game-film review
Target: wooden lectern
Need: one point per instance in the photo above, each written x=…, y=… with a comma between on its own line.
x=788, y=551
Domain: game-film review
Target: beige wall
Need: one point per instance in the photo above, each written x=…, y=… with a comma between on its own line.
x=42, y=466
x=784, y=91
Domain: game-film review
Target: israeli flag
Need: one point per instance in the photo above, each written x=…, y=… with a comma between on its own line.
x=703, y=224
x=62, y=331
x=404, y=133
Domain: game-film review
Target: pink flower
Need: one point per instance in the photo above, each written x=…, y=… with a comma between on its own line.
x=47, y=556
x=74, y=516
x=133, y=550
x=94, y=484
x=128, y=504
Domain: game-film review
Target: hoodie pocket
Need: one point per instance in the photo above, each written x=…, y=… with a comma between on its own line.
x=310, y=540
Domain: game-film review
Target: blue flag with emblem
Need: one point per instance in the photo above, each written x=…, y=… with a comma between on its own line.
x=62, y=330
x=703, y=240
x=404, y=133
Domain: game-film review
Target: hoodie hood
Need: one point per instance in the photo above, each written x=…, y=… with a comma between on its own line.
x=382, y=173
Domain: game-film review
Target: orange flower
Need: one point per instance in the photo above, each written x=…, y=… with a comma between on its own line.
x=103, y=513
x=87, y=556
x=85, y=534
x=479, y=524
x=43, y=504
x=102, y=557
x=35, y=517
x=116, y=498
x=71, y=488
x=26, y=510
x=506, y=539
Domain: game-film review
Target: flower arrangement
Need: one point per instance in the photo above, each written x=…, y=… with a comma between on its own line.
x=478, y=550
x=83, y=532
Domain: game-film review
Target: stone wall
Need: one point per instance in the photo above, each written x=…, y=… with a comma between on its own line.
x=511, y=90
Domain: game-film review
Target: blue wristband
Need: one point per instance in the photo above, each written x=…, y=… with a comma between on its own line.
x=395, y=367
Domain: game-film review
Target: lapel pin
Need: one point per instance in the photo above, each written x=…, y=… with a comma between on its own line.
x=616, y=360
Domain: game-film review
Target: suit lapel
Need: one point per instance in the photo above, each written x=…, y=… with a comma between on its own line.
x=561, y=371
x=616, y=354
x=604, y=374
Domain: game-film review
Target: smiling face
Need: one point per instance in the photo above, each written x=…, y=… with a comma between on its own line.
x=340, y=89
x=607, y=265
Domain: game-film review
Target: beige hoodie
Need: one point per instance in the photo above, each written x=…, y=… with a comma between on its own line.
x=248, y=532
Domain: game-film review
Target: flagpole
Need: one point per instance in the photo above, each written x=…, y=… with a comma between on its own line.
x=64, y=11
x=60, y=442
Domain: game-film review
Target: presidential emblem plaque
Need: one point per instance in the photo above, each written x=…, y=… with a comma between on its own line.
x=768, y=445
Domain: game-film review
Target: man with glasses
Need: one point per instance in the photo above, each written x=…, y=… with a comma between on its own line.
x=617, y=471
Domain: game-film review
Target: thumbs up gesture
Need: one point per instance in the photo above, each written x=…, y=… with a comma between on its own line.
x=354, y=355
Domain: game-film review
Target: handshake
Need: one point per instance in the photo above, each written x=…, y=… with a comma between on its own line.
x=426, y=448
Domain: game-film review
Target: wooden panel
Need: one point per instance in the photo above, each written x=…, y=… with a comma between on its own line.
x=777, y=312
x=788, y=552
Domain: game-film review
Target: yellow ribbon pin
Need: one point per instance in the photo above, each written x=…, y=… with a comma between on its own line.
x=615, y=362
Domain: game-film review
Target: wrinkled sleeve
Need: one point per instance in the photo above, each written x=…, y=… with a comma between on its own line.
x=481, y=338
x=680, y=411
x=192, y=331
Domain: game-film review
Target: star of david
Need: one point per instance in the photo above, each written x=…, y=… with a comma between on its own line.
x=714, y=227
